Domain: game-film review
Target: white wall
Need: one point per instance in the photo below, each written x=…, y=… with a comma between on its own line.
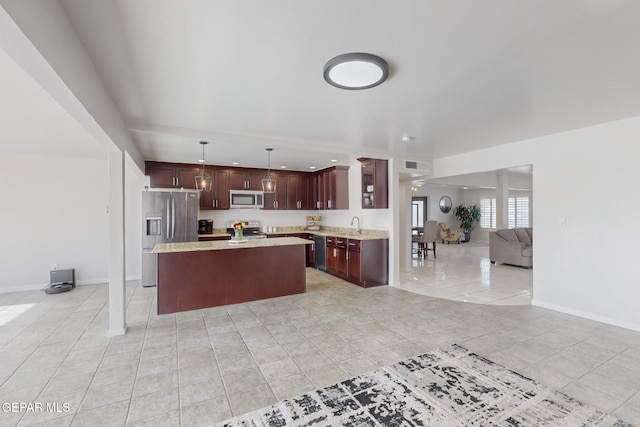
x=54, y=211
x=434, y=193
x=587, y=267
x=134, y=182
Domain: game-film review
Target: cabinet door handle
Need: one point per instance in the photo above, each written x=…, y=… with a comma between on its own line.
x=177, y=182
x=329, y=203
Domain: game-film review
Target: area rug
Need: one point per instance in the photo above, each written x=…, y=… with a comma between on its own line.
x=447, y=387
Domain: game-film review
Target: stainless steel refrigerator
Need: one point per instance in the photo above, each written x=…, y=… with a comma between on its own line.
x=168, y=216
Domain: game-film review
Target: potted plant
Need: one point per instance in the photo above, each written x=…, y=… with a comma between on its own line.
x=468, y=216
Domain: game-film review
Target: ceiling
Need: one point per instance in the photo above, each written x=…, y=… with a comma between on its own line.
x=32, y=122
x=464, y=75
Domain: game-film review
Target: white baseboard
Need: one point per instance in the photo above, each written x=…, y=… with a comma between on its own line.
x=37, y=287
x=23, y=288
x=587, y=315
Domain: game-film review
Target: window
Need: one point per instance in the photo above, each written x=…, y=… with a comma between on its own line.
x=518, y=212
x=517, y=209
x=487, y=213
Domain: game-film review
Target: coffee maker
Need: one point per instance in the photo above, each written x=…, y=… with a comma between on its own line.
x=205, y=226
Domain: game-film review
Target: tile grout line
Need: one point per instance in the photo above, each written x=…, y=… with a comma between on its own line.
x=144, y=339
x=215, y=356
x=67, y=355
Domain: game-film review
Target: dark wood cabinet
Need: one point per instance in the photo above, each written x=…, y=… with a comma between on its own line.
x=212, y=238
x=354, y=266
x=325, y=189
x=172, y=175
x=311, y=251
x=369, y=262
x=245, y=179
x=277, y=200
x=332, y=256
x=297, y=190
x=331, y=188
x=362, y=262
x=375, y=183
x=342, y=255
x=218, y=197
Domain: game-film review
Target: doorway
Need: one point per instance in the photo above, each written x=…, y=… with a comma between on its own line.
x=418, y=214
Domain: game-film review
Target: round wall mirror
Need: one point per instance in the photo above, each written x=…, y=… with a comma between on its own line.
x=445, y=204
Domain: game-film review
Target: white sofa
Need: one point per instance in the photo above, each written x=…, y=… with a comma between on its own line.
x=513, y=246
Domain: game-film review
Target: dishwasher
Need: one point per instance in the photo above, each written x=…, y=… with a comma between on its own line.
x=320, y=243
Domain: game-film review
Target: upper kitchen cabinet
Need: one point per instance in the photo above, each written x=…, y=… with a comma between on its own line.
x=297, y=190
x=335, y=187
x=218, y=197
x=277, y=200
x=171, y=175
x=245, y=179
x=375, y=183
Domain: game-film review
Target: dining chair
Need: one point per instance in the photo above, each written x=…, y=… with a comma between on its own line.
x=428, y=236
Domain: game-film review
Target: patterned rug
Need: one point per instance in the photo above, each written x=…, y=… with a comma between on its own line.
x=448, y=387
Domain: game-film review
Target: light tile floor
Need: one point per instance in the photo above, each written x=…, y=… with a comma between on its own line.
x=464, y=273
x=198, y=367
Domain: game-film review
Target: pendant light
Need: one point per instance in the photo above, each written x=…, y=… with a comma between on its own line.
x=269, y=183
x=203, y=181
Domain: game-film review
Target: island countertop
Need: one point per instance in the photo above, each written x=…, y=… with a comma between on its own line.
x=165, y=248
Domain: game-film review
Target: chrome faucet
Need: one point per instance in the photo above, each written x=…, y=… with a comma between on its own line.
x=355, y=217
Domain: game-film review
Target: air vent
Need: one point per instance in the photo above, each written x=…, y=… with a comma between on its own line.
x=416, y=166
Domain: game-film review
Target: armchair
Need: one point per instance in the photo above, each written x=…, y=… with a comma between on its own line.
x=448, y=235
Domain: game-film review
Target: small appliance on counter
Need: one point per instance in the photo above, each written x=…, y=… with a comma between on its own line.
x=205, y=226
x=252, y=230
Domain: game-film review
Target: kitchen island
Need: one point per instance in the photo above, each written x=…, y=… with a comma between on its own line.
x=194, y=275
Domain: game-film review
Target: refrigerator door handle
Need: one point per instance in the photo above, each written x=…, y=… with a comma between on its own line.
x=168, y=220
x=173, y=218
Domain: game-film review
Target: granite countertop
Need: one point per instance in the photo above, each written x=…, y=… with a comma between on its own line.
x=165, y=248
x=350, y=235
x=215, y=235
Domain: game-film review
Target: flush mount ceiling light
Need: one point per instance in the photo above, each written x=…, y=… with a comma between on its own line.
x=356, y=71
x=203, y=181
x=269, y=182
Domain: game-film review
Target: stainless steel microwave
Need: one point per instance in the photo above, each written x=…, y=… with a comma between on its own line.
x=246, y=199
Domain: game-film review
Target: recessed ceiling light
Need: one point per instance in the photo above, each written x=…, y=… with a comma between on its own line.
x=201, y=160
x=312, y=167
x=356, y=70
x=283, y=167
x=465, y=188
x=407, y=138
x=235, y=163
x=334, y=161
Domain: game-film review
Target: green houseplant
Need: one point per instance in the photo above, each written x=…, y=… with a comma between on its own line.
x=468, y=216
